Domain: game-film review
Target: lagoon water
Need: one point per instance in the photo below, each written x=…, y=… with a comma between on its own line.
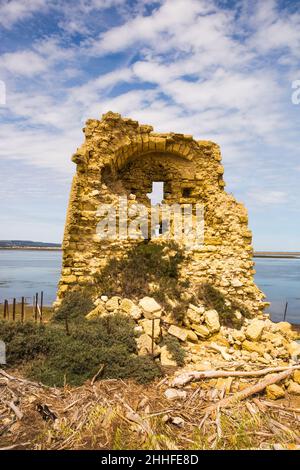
x=23, y=273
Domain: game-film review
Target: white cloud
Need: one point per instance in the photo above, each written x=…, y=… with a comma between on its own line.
x=13, y=11
x=268, y=197
x=26, y=63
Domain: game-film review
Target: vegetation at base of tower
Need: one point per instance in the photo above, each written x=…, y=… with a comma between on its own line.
x=49, y=355
x=212, y=298
x=149, y=268
x=75, y=306
x=175, y=349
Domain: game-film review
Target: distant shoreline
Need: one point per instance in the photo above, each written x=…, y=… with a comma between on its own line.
x=30, y=248
x=257, y=254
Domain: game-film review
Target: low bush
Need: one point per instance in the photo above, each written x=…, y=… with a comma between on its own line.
x=74, y=306
x=212, y=298
x=51, y=356
x=175, y=349
x=145, y=264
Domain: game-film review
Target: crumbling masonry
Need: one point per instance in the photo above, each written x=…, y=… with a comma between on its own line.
x=121, y=157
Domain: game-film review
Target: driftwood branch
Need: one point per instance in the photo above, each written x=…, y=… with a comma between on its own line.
x=247, y=392
x=187, y=377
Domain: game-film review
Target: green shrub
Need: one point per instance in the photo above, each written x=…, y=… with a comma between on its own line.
x=214, y=299
x=74, y=306
x=147, y=262
x=55, y=358
x=175, y=349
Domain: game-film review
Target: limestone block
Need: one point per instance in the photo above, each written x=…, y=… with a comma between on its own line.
x=296, y=376
x=126, y=305
x=201, y=330
x=294, y=349
x=69, y=279
x=113, y=303
x=150, y=307
x=255, y=330
x=144, y=345
x=147, y=327
x=179, y=333
x=175, y=394
x=166, y=358
x=96, y=312
x=253, y=347
x=294, y=388
x=274, y=392
x=211, y=318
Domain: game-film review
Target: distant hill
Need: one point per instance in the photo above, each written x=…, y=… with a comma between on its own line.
x=27, y=244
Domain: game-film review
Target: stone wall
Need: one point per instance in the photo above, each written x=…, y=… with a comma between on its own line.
x=121, y=157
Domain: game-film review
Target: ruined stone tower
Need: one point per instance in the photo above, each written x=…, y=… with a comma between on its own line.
x=120, y=157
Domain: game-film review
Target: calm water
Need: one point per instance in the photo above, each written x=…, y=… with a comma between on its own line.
x=22, y=273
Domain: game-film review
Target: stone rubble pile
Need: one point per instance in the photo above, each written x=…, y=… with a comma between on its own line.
x=207, y=343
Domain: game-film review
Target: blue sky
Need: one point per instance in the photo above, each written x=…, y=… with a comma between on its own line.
x=220, y=70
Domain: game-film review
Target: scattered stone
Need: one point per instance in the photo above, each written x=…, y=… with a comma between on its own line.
x=150, y=307
x=147, y=327
x=191, y=336
x=294, y=388
x=113, y=303
x=179, y=333
x=136, y=313
x=296, y=376
x=178, y=421
x=201, y=330
x=253, y=347
x=104, y=298
x=294, y=349
x=126, y=305
x=175, y=394
x=274, y=392
x=255, y=329
x=138, y=330
x=166, y=358
x=96, y=312
x=144, y=344
x=211, y=318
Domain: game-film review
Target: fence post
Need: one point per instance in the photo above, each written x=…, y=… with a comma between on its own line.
x=36, y=307
x=22, y=310
x=14, y=310
x=5, y=309
x=285, y=310
x=41, y=309
x=152, y=338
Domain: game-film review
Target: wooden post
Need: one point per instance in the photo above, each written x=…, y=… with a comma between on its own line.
x=41, y=307
x=14, y=310
x=36, y=307
x=285, y=311
x=152, y=338
x=5, y=309
x=22, y=310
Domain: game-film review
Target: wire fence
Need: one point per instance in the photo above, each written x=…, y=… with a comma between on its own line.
x=23, y=308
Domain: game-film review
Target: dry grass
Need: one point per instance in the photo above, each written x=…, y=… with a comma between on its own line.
x=29, y=312
x=117, y=414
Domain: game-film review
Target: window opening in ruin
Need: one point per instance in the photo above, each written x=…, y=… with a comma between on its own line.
x=157, y=194
x=186, y=192
x=156, y=197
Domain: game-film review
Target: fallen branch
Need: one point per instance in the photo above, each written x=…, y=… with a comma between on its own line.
x=27, y=382
x=97, y=374
x=187, y=377
x=247, y=392
x=14, y=408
